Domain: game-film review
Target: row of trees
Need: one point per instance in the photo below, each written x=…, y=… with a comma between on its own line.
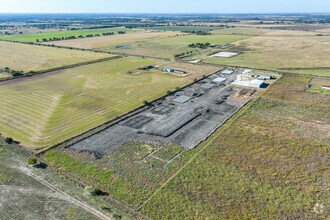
x=197, y=32
x=199, y=45
x=74, y=37
x=14, y=73
x=183, y=54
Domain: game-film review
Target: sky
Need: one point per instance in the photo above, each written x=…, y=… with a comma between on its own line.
x=164, y=6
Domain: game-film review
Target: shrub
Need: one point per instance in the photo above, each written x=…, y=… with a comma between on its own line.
x=32, y=161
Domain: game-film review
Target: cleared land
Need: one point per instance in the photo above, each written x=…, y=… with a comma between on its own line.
x=114, y=40
x=262, y=165
x=290, y=51
x=59, y=34
x=24, y=57
x=43, y=111
x=168, y=47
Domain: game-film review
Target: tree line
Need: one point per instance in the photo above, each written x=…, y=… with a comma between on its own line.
x=76, y=37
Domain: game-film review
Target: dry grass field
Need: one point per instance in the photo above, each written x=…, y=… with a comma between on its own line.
x=114, y=40
x=291, y=51
x=23, y=57
x=45, y=110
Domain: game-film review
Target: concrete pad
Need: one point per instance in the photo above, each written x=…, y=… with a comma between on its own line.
x=182, y=99
x=219, y=80
x=224, y=54
x=207, y=85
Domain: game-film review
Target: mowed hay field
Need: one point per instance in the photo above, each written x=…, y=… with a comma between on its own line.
x=114, y=40
x=24, y=57
x=42, y=111
x=270, y=161
x=290, y=51
x=168, y=47
x=33, y=37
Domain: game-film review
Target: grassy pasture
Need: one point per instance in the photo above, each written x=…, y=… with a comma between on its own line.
x=114, y=40
x=263, y=165
x=29, y=57
x=33, y=37
x=43, y=111
x=290, y=51
x=168, y=47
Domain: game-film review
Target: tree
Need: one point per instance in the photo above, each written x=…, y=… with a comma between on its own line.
x=32, y=161
x=9, y=140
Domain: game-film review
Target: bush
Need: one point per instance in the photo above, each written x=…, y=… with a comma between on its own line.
x=9, y=140
x=97, y=192
x=32, y=161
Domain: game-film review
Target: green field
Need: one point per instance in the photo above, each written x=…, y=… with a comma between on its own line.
x=289, y=51
x=260, y=165
x=24, y=57
x=43, y=111
x=168, y=47
x=59, y=34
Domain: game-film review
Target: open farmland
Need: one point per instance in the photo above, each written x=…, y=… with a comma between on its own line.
x=24, y=57
x=260, y=165
x=114, y=40
x=59, y=34
x=290, y=51
x=168, y=47
x=42, y=111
